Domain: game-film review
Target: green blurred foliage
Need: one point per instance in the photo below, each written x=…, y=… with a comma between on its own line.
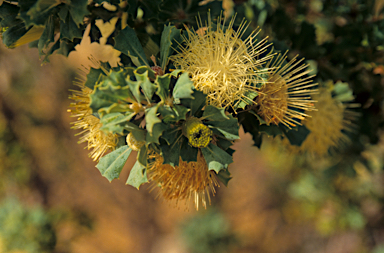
x=26, y=229
x=209, y=232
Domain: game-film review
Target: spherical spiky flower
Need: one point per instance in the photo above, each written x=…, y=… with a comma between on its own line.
x=198, y=134
x=222, y=65
x=98, y=141
x=328, y=125
x=188, y=180
x=286, y=94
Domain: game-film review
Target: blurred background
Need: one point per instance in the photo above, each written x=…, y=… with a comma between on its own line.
x=53, y=199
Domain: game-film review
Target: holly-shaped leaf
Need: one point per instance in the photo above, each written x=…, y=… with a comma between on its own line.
x=196, y=103
x=78, y=10
x=170, y=152
x=187, y=152
x=157, y=131
x=110, y=91
x=162, y=83
x=147, y=86
x=112, y=122
x=128, y=43
x=47, y=36
x=180, y=112
x=183, y=88
x=68, y=27
x=216, y=158
x=170, y=33
x=92, y=77
x=8, y=15
x=142, y=155
x=138, y=175
x=151, y=118
x=229, y=128
x=167, y=113
x=224, y=176
x=215, y=114
x=296, y=136
x=36, y=12
x=110, y=166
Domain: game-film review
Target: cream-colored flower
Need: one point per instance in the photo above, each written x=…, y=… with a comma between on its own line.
x=328, y=125
x=285, y=98
x=98, y=141
x=222, y=65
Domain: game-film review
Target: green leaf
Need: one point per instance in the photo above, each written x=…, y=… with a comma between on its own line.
x=168, y=35
x=137, y=176
x=171, y=134
x=271, y=130
x=13, y=35
x=262, y=121
x=224, y=176
x=110, y=166
x=139, y=134
x=134, y=87
x=128, y=43
x=197, y=103
x=249, y=95
x=53, y=48
x=183, y=88
x=47, y=36
x=78, y=10
x=180, y=112
x=229, y=128
x=297, y=135
x=187, y=152
x=216, y=158
x=110, y=91
x=69, y=29
x=36, y=12
x=116, y=107
x=8, y=15
x=147, y=86
x=167, y=113
x=112, y=122
x=142, y=156
x=151, y=118
x=342, y=92
x=66, y=47
x=162, y=83
x=138, y=72
x=215, y=114
x=170, y=153
x=223, y=143
x=157, y=131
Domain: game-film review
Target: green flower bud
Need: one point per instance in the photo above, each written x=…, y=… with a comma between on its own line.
x=133, y=143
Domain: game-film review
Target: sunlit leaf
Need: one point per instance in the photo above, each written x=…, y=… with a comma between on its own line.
x=137, y=176
x=110, y=166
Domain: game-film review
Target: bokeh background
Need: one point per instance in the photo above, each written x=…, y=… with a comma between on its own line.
x=53, y=199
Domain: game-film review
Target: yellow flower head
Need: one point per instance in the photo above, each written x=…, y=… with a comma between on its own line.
x=327, y=125
x=222, y=65
x=286, y=93
x=198, y=134
x=97, y=140
x=188, y=180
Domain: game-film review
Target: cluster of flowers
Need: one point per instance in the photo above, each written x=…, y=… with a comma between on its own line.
x=182, y=119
